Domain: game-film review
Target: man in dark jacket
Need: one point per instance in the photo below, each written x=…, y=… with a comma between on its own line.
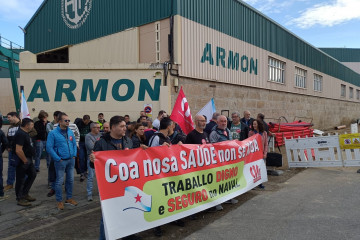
x=212, y=123
x=113, y=140
x=40, y=139
x=84, y=129
x=247, y=120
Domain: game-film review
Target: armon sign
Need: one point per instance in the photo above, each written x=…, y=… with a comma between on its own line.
x=122, y=90
x=91, y=91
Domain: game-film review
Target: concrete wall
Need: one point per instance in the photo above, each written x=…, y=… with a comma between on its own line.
x=353, y=65
x=326, y=113
x=7, y=103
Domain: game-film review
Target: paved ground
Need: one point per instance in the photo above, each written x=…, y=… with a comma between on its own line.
x=313, y=204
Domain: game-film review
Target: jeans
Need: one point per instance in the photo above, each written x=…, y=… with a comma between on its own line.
x=25, y=177
x=51, y=173
x=62, y=167
x=1, y=177
x=40, y=146
x=82, y=158
x=90, y=178
x=11, y=170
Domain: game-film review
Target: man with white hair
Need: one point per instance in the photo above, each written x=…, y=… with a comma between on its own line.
x=220, y=132
x=247, y=120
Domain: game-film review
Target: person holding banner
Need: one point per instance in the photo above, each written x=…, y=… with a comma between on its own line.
x=161, y=138
x=198, y=136
x=221, y=133
x=257, y=127
x=113, y=140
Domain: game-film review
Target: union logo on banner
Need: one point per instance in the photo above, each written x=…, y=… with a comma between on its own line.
x=75, y=12
x=255, y=173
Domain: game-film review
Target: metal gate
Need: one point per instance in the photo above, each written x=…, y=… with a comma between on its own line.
x=320, y=152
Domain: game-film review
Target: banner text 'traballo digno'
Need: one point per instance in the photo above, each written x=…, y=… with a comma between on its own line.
x=141, y=189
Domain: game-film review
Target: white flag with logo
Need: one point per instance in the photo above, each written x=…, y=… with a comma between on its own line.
x=208, y=110
x=137, y=199
x=24, y=108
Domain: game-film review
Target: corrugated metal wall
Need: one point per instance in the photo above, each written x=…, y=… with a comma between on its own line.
x=239, y=20
x=47, y=29
x=197, y=40
x=343, y=54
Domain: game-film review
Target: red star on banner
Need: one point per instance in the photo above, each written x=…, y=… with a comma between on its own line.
x=138, y=198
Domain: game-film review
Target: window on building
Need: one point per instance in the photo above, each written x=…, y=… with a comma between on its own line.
x=318, y=82
x=343, y=90
x=300, y=77
x=357, y=94
x=351, y=92
x=56, y=56
x=157, y=41
x=276, y=70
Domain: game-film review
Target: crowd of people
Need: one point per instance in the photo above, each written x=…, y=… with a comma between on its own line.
x=70, y=145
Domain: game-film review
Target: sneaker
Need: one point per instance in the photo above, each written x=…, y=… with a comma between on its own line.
x=8, y=187
x=24, y=203
x=232, y=201
x=29, y=198
x=2, y=198
x=51, y=193
x=60, y=205
x=158, y=232
x=219, y=207
x=82, y=177
x=71, y=202
x=90, y=198
x=261, y=186
x=37, y=170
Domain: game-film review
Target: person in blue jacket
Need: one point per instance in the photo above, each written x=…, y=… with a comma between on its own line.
x=61, y=145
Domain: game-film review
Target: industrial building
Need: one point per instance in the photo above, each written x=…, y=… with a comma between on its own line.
x=115, y=57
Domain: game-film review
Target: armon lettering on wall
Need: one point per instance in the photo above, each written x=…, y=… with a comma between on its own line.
x=219, y=57
x=65, y=90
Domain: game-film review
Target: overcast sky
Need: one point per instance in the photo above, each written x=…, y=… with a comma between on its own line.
x=322, y=23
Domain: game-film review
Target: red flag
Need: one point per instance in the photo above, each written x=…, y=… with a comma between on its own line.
x=181, y=113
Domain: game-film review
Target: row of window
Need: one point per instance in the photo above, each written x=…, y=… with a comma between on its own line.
x=351, y=92
x=277, y=74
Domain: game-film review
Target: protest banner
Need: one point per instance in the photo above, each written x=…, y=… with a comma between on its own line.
x=141, y=189
x=349, y=141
